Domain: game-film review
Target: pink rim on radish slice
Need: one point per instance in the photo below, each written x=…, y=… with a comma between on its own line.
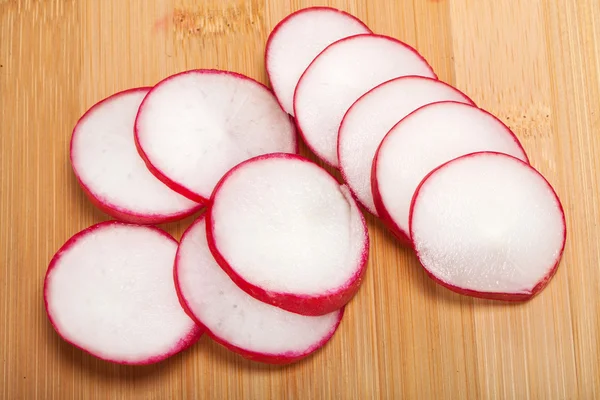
x=425, y=139
x=194, y=126
x=488, y=225
x=256, y=330
x=109, y=291
x=288, y=234
x=342, y=73
x=371, y=117
x=110, y=170
x=297, y=40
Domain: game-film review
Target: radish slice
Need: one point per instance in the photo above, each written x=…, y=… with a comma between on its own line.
x=288, y=234
x=488, y=225
x=110, y=170
x=241, y=323
x=194, y=126
x=298, y=39
x=425, y=139
x=339, y=75
x=372, y=116
x=109, y=291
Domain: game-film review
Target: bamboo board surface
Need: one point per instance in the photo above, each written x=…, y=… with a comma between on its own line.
x=534, y=63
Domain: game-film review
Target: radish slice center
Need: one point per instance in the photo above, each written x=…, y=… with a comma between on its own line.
x=110, y=291
x=193, y=127
x=285, y=224
x=488, y=222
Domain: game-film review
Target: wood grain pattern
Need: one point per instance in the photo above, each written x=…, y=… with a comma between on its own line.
x=534, y=63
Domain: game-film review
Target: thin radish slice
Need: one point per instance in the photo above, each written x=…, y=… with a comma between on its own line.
x=288, y=234
x=425, y=139
x=194, y=126
x=110, y=170
x=109, y=291
x=236, y=320
x=488, y=225
x=297, y=40
x=339, y=75
x=372, y=116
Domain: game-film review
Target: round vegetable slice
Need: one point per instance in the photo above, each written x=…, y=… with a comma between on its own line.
x=288, y=234
x=194, y=126
x=236, y=320
x=488, y=225
x=109, y=291
x=342, y=73
x=297, y=40
x=422, y=141
x=110, y=170
x=372, y=116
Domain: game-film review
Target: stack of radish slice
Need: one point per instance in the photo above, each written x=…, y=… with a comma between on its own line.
x=268, y=269
x=373, y=107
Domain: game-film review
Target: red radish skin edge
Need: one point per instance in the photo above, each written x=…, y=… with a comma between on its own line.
x=157, y=172
x=109, y=208
x=299, y=304
x=299, y=128
x=269, y=358
x=190, y=339
x=385, y=216
x=403, y=238
x=283, y=21
x=130, y=217
x=512, y=297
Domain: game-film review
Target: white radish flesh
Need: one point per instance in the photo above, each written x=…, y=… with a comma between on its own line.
x=342, y=73
x=110, y=170
x=425, y=139
x=109, y=291
x=194, y=126
x=297, y=40
x=288, y=234
x=372, y=116
x=488, y=225
x=237, y=320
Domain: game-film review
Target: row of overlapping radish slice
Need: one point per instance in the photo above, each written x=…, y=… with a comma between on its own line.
x=268, y=268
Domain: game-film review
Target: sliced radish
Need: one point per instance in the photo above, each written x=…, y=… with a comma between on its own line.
x=109, y=291
x=339, y=75
x=298, y=39
x=110, y=170
x=488, y=225
x=288, y=234
x=238, y=321
x=425, y=139
x=372, y=116
x=194, y=126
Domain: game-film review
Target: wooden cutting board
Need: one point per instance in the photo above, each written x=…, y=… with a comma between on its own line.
x=534, y=63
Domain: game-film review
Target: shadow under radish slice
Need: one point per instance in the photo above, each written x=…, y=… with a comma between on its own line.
x=425, y=139
x=110, y=170
x=342, y=73
x=488, y=225
x=256, y=330
x=109, y=291
x=288, y=234
x=372, y=116
x=194, y=126
x=297, y=40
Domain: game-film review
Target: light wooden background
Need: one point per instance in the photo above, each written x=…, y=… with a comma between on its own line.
x=535, y=63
